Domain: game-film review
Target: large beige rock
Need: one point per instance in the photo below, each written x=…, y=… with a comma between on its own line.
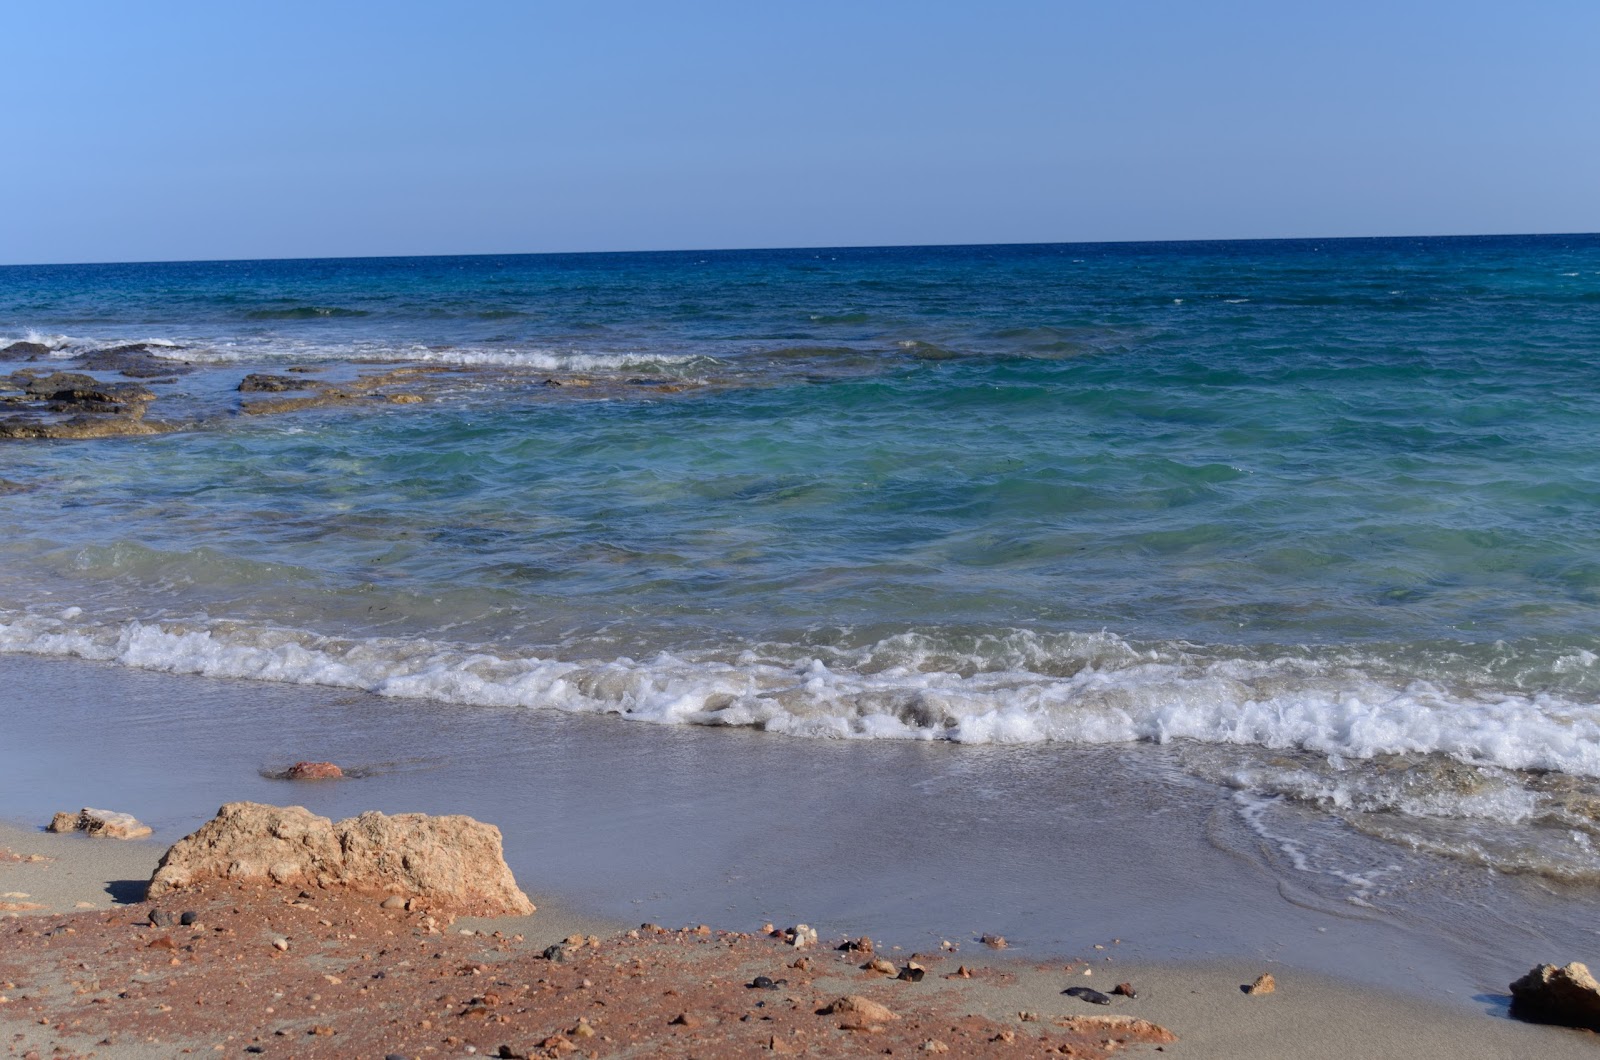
x=1568, y=996
x=455, y=864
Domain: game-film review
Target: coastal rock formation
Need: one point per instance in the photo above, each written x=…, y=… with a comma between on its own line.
x=19, y=350
x=102, y=824
x=1567, y=996
x=266, y=383
x=455, y=863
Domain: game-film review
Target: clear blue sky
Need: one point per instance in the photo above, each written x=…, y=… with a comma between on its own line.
x=144, y=131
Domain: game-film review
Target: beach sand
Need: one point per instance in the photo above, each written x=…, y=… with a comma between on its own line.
x=357, y=980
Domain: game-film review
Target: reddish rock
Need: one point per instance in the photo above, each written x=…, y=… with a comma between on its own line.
x=314, y=771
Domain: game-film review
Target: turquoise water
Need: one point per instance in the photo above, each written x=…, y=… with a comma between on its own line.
x=1324, y=513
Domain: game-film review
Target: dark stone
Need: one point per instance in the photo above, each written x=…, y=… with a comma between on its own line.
x=101, y=394
x=1125, y=989
x=762, y=982
x=1083, y=993
x=265, y=383
x=160, y=918
x=25, y=349
x=132, y=362
x=911, y=975
x=188, y=917
x=551, y=382
x=57, y=382
x=557, y=953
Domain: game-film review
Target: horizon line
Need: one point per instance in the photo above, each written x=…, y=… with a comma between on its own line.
x=819, y=247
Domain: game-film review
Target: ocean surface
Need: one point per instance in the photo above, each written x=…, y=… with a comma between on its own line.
x=1318, y=521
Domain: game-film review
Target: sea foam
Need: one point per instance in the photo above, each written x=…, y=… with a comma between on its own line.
x=1102, y=691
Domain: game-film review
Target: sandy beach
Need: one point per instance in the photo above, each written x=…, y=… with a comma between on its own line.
x=86, y=974
x=1349, y=983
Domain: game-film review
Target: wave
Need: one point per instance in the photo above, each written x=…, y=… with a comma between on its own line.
x=1018, y=687
x=538, y=359
x=1502, y=778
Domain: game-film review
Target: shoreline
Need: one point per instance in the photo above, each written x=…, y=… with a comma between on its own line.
x=608, y=824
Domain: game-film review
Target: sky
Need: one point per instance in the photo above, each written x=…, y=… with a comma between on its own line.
x=181, y=131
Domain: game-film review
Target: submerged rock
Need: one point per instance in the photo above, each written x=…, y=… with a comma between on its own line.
x=455, y=863
x=133, y=361
x=78, y=427
x=314, y=771
x=265, y=383
x=1567, y=996
x=102, y=824
x=56, y=382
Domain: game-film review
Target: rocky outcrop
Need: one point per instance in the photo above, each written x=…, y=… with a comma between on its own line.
x=455, y=864
x=19, y=350
x=1567, y=996
x=102, y=824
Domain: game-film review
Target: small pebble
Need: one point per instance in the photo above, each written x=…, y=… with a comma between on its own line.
x=280, y=944
x=188, y=918
x=1264, y=984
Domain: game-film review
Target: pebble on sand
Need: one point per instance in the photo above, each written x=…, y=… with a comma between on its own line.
x=1263, y=984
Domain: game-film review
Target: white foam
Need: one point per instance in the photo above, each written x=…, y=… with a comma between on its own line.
x=537, y=359
x=1091, y=689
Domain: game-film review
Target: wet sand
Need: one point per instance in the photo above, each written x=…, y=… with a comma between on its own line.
x=610, y=824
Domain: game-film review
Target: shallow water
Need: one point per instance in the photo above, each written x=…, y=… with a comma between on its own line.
x=1319, y=517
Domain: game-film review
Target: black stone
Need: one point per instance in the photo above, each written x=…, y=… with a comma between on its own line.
x=189, y=917
x=1083, y=993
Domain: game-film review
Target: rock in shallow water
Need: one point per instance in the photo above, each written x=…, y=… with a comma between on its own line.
x=1567, y=996
x=102, y=824
x=314, y=771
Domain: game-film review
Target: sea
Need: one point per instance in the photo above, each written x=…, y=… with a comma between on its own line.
x=1314, y=523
